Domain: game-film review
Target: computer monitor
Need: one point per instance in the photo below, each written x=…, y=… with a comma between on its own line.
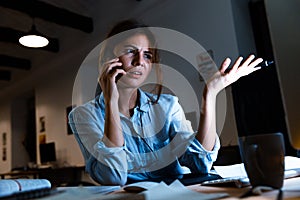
x=285, y=31
x=47, y=153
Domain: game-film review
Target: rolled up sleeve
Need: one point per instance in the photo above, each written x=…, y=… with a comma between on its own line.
x=198, y=159
x=106, y=165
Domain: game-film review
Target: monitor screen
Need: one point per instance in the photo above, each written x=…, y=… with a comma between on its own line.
x=47, y=152
x=284, y=28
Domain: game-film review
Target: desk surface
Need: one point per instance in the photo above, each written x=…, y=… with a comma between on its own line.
x=291, y=190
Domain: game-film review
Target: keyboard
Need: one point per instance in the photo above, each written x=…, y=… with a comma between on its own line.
x=185, y=179
x=228, y=182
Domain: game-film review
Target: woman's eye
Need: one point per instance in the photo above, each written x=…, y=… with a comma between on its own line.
x=148, y=56
x=129, y=51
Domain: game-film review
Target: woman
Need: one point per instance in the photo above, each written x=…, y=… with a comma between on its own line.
x=126, y=134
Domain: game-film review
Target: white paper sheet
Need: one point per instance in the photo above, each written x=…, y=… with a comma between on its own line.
x=175, y=190
x=231, y=171
x=291, y=162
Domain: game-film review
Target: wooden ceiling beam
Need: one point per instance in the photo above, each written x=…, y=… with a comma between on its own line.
x=50, y=13
x=14, y=62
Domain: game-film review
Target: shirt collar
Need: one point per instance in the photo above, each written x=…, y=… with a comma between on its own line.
x=145, y=99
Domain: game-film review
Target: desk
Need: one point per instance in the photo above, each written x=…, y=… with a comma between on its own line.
x=291, y=190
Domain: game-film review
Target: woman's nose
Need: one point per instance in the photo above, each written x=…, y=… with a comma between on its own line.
x=138, y=59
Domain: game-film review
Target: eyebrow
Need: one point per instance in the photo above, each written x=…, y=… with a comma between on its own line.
x=137, y=48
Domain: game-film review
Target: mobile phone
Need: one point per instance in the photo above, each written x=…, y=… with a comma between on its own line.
x=119, y=75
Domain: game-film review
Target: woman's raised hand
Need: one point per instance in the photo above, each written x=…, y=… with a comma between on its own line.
x=108, y=78
x=225, y=76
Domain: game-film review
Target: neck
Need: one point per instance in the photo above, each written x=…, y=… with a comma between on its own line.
x=127, y=101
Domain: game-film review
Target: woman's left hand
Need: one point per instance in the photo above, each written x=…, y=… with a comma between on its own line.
x=224, y=77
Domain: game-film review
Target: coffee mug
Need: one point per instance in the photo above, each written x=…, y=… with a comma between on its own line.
x=263, y=157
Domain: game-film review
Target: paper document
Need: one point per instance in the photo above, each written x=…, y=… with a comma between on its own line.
x=291, y=162
x=140, y=186
x=176, y=189
x=230, y=171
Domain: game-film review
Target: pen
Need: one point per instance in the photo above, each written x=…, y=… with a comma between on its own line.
x=265, y=63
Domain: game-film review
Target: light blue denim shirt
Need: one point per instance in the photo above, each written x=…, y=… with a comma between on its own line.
x=159, y=142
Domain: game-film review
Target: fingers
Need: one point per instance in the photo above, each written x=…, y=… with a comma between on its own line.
x=250, y=64
x=111, y=69
x=248, y=60
x=256, y=62
x=237, y=63
x=225, y=65
x=110, y=65
x=117, y=74
x=103, y=67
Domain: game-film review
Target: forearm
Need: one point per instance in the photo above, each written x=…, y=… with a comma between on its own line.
x=113, y=136
x=207, y=125
x=106, y=165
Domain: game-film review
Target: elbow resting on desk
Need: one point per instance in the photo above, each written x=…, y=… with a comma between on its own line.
x=105, y=175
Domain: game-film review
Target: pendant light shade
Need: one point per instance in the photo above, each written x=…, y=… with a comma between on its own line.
x=34, y=39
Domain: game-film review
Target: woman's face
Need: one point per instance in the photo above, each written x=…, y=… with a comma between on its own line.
x=136, y=57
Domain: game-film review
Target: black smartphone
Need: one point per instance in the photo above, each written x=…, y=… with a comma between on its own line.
x=119, y=75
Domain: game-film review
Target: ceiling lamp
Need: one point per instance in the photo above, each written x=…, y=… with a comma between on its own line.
x=33, y=39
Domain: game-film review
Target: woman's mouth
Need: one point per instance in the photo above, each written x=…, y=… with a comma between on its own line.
x=134, y=74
